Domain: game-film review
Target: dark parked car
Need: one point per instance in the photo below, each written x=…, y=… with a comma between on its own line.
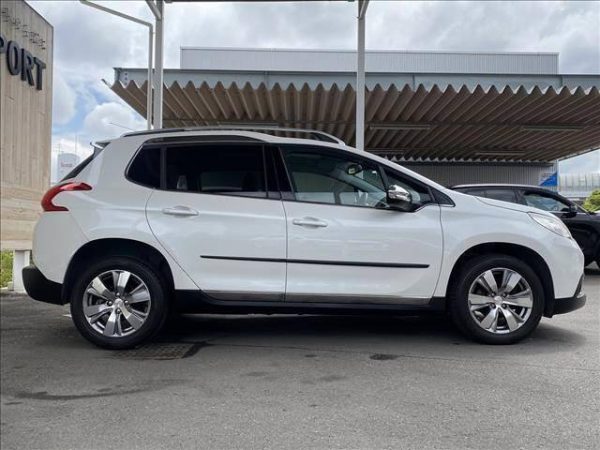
x=584, y=225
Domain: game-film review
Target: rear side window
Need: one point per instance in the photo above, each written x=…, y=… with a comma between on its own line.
x=476, y=192
x=145, y=167
x=216, y=169
x=506, y=195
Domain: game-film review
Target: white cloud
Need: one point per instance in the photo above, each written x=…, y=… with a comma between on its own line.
x=586, y=163
x=63, y=100
x=110, y=120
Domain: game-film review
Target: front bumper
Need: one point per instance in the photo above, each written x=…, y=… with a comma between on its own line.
x=565, y=305
x=40, y=288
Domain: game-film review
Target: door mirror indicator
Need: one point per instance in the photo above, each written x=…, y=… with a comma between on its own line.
x=399, y=198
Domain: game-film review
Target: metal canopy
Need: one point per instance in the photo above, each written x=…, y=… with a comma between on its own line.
x=451, y=123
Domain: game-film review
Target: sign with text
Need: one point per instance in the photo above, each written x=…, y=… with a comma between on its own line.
x=21, y=62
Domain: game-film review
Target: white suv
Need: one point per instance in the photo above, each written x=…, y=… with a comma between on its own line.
x=247, y=221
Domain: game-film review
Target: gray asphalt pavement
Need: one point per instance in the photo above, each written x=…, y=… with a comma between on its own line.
x=299, y=382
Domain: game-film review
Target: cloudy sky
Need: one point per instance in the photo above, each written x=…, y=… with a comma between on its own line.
x=89, y=43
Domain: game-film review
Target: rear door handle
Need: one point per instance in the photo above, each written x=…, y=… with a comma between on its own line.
x=181, y=211
x=310, y=222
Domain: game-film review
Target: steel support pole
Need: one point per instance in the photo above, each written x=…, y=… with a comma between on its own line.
x=150, y=33
x=158, y=76
x=360, y=76
x=149, y=86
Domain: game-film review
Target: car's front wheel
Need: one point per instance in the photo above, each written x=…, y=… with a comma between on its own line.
x=497, y=299
x=119, y=303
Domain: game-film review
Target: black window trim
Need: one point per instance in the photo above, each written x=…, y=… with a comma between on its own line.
x=380, y=167
x=276, y=153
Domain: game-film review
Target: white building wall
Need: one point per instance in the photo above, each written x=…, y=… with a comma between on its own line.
x=450, y=174
x=244, y=59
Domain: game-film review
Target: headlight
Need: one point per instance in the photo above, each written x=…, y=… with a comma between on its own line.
x=552, y=223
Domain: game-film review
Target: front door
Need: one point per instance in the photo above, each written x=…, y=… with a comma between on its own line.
x=214, y=217
x=346, y=244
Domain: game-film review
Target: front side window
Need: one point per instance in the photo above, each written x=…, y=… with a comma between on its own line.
x=545, y=202
x=420, y=195
x=322, y=177
x=216, y=169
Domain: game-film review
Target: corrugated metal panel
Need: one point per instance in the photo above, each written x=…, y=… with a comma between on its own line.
x=240, y=59
x=578, y=185
x=457, y=173
x=454, y=124
x=384, y=80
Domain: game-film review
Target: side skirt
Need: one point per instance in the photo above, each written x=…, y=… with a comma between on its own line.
x=199, y=302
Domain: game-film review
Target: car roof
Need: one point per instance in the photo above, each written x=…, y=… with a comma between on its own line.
x=500, y=185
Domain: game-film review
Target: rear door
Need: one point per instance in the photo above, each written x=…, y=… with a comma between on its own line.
x=214, y=216
x=345, y=244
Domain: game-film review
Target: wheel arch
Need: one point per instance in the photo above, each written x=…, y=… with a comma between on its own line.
x=531, y=257
x=107, y=247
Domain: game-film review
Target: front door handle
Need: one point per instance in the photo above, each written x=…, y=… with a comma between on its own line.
x=310, y=222
x=181, y=211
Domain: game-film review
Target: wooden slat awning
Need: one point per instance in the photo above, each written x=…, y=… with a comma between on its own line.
x=437, y=124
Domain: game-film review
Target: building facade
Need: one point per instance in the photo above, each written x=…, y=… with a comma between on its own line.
x=26, y=42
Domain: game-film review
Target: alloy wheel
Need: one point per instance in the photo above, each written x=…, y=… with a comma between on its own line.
x=500, y=300
x=116, y=303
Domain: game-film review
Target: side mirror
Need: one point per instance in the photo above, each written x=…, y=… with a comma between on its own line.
x=354, y=169
x=399, y=198
x=570, y=212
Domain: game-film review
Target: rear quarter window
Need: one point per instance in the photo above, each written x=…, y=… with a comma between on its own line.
x=145, y=167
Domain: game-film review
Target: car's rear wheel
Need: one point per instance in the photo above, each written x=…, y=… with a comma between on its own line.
x=119, y=303
x=497, y=299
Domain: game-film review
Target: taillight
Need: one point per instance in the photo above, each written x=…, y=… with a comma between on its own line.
x=47, y=204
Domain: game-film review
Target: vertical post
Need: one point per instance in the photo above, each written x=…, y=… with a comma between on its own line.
x=150, y=34
x=158, y=85
x=360, y=76
x=20, y=260
x=149, y=89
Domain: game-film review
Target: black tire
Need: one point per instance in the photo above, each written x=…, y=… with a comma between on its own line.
x=158, y=307
x=459, y=306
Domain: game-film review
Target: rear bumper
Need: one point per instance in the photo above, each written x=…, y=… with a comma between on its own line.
x=40, y=288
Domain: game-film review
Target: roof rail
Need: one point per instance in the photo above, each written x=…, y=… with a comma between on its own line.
x=314, y=134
